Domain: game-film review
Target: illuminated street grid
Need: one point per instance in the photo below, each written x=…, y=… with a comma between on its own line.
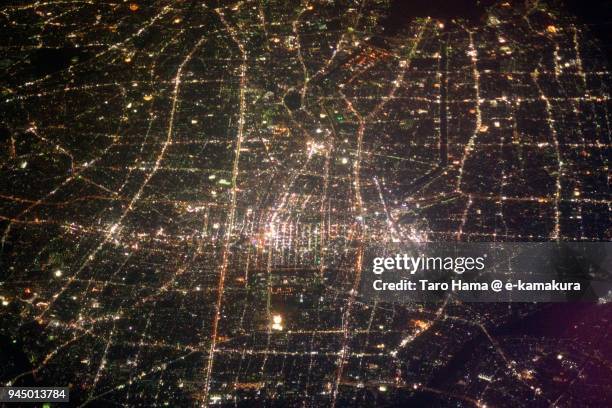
x=182, y=182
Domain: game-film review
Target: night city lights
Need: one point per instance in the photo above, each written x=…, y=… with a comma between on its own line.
x=233, y=203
